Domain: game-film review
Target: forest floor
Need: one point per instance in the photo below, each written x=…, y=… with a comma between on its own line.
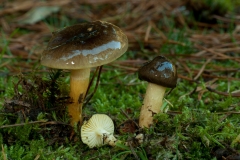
x=199, y=119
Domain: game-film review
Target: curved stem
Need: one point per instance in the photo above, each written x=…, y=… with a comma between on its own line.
x=96, y=86
x=79, y=81
x=109, y=139
x=151, y=104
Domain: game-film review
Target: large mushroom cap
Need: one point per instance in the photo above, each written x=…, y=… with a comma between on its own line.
x=95, y=131
x=159, y=71
x=84, y=45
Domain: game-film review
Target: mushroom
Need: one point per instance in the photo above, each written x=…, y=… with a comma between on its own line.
x=98, y=131
x=79, y=48
x=159, y=73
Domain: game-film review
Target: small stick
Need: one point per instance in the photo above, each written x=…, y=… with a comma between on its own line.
x=90, y=84
x=54, y=122
x=229, y=112
x=147, y=32
x=96, y=86
x=3, y=153
x=37, y=157
x=133, y=152
x=237, y=94
x=21, y=124
x=129, y=118
x=202, y=69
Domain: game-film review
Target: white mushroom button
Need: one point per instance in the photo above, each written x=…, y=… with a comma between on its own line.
x=139, y=138
x=98, y=131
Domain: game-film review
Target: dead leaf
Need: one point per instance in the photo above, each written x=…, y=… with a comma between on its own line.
x=37, y=14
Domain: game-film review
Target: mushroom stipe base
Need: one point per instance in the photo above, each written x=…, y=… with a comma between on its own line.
x=151, y=104
x=79, y=82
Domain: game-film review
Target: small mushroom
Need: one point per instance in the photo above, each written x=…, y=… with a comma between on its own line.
x=98, y=131
x=139, y=138
x=159, y=73
x=79, y=48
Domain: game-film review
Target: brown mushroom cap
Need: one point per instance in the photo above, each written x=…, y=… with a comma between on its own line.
x=85, y=45
x=159, y=71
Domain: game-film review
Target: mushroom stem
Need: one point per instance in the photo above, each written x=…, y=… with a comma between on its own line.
x=151, y=104
x=79, y=81
x=109, y=139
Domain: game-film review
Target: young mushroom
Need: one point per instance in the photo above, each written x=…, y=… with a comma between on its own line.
x=98, y=131
x=159, y=73
x=79, y=48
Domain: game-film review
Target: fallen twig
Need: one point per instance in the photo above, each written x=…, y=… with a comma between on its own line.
x=237, y=94
x=3, y=153
x=22, y=124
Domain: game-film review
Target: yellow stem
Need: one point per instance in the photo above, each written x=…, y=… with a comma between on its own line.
x=151, y=104
x=79, y=82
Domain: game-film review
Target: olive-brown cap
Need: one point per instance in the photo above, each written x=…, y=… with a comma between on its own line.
x=85, y=45
x=159, y=71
